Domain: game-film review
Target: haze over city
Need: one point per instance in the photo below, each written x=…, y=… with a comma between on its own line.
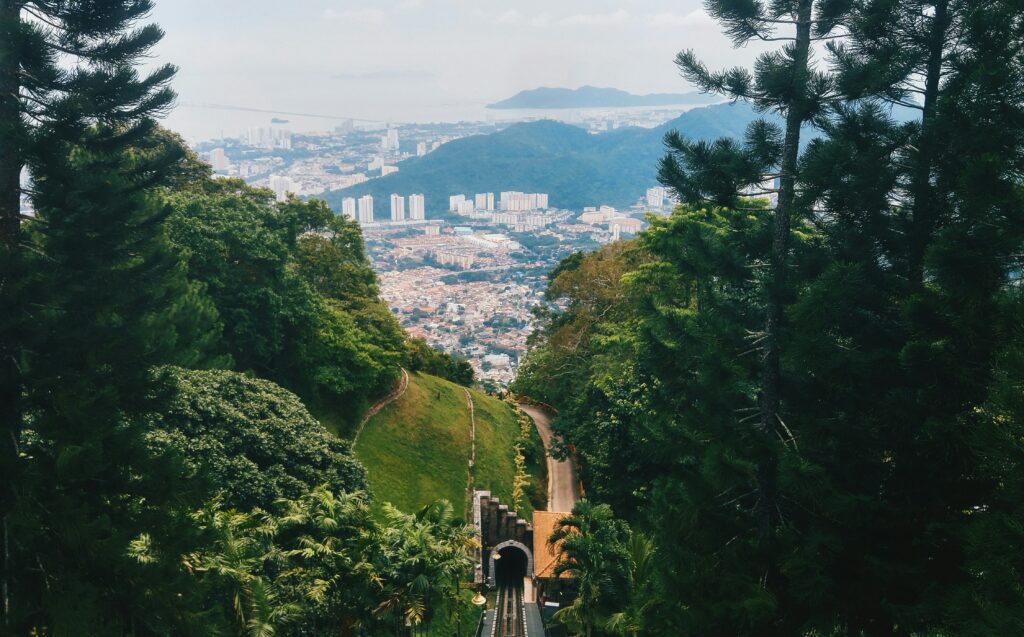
x=417, y=60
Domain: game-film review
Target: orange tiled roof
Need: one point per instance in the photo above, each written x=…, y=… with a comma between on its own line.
x=545, y=556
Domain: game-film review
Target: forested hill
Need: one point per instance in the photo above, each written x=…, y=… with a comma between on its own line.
x=595, y=97
x=577, y=169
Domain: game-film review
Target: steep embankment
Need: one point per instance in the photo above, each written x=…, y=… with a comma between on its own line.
x=417, y=448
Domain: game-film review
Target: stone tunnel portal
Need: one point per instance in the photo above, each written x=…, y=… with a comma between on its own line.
x=511, y=568
x=514, y=564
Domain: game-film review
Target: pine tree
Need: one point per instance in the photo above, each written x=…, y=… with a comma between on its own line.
x=116, y=305
x=64, y=66
x=900, y=53
x=906, y=319
x=785, y=82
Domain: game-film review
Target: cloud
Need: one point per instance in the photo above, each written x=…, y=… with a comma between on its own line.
x=542, y=19
x=509, y=17
x=695, y=18
x=383, y=74
x=597, y=19
x=355, y=16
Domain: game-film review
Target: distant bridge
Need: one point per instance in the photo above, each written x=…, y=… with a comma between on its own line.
x=248, y=109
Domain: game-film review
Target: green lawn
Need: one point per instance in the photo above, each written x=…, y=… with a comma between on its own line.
x=496, y=432
x=416, y=450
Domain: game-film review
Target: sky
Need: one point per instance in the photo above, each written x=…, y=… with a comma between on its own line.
x=418, y=60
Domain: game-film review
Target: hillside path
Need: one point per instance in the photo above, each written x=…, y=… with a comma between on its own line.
x=472, y=429
x=382, y=403
x=563, y=485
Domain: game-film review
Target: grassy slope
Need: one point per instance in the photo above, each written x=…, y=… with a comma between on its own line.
x=416, y=450
x=496, y=432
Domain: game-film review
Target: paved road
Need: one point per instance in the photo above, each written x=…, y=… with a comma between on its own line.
x=563, y=486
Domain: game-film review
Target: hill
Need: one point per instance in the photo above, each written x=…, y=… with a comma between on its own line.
x=595, y=97
x=577, y=168
x=416, y=450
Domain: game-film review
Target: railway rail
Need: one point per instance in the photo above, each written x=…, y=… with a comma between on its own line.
x=510, y=614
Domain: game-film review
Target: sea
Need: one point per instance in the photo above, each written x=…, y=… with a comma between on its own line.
x=200, y=121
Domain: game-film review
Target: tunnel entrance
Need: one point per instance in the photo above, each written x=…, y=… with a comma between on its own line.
x=511, y=568
x=514, y=564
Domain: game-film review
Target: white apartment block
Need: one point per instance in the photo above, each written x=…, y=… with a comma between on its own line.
x=520, y=201
x=283, y=186
x=455, y=201
x=397, y=208
x=417, y=208
x=366, y=209
x=656, y=196
x=348, y=207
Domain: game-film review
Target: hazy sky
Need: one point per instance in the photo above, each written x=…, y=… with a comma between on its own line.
x=421, y=59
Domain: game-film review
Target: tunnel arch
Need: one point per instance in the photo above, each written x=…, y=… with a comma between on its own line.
x=505, y=545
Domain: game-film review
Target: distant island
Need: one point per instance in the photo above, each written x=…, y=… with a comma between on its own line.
x=278, y=120
x=595, y=97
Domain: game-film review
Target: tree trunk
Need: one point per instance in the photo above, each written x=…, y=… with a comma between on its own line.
x=924, y=205
x=771, y=375
x=11, y=162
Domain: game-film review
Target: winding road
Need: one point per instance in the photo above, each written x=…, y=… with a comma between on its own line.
x=563, y=485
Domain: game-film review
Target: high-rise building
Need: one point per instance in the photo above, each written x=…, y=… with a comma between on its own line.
x=624, y=225
x=417, y=210
x=388, y=170
x=348, y=207
x=520, y=201
x=421, y=149
x=397, y=208
x=389, y=142
x=656, y=196
x=481, y=201
x=283, y=186
x=366, y=209
x=218, y=159
x=455, y=201
x=268, y=138
x=490, y=202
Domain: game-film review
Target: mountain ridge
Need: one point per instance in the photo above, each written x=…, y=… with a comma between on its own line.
x=595, y=97
x=575, y=167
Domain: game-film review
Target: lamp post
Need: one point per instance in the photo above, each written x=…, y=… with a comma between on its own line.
x=480, y=600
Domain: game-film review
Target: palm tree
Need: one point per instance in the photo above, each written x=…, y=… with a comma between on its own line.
x=422, y=558
x=331, y=537
x=639, y=594
x=242, y=545
x=590, y=545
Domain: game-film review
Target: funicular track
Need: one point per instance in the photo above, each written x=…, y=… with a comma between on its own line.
x=510, y=620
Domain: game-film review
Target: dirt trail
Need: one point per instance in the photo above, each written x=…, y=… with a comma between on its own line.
x=382, y=403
